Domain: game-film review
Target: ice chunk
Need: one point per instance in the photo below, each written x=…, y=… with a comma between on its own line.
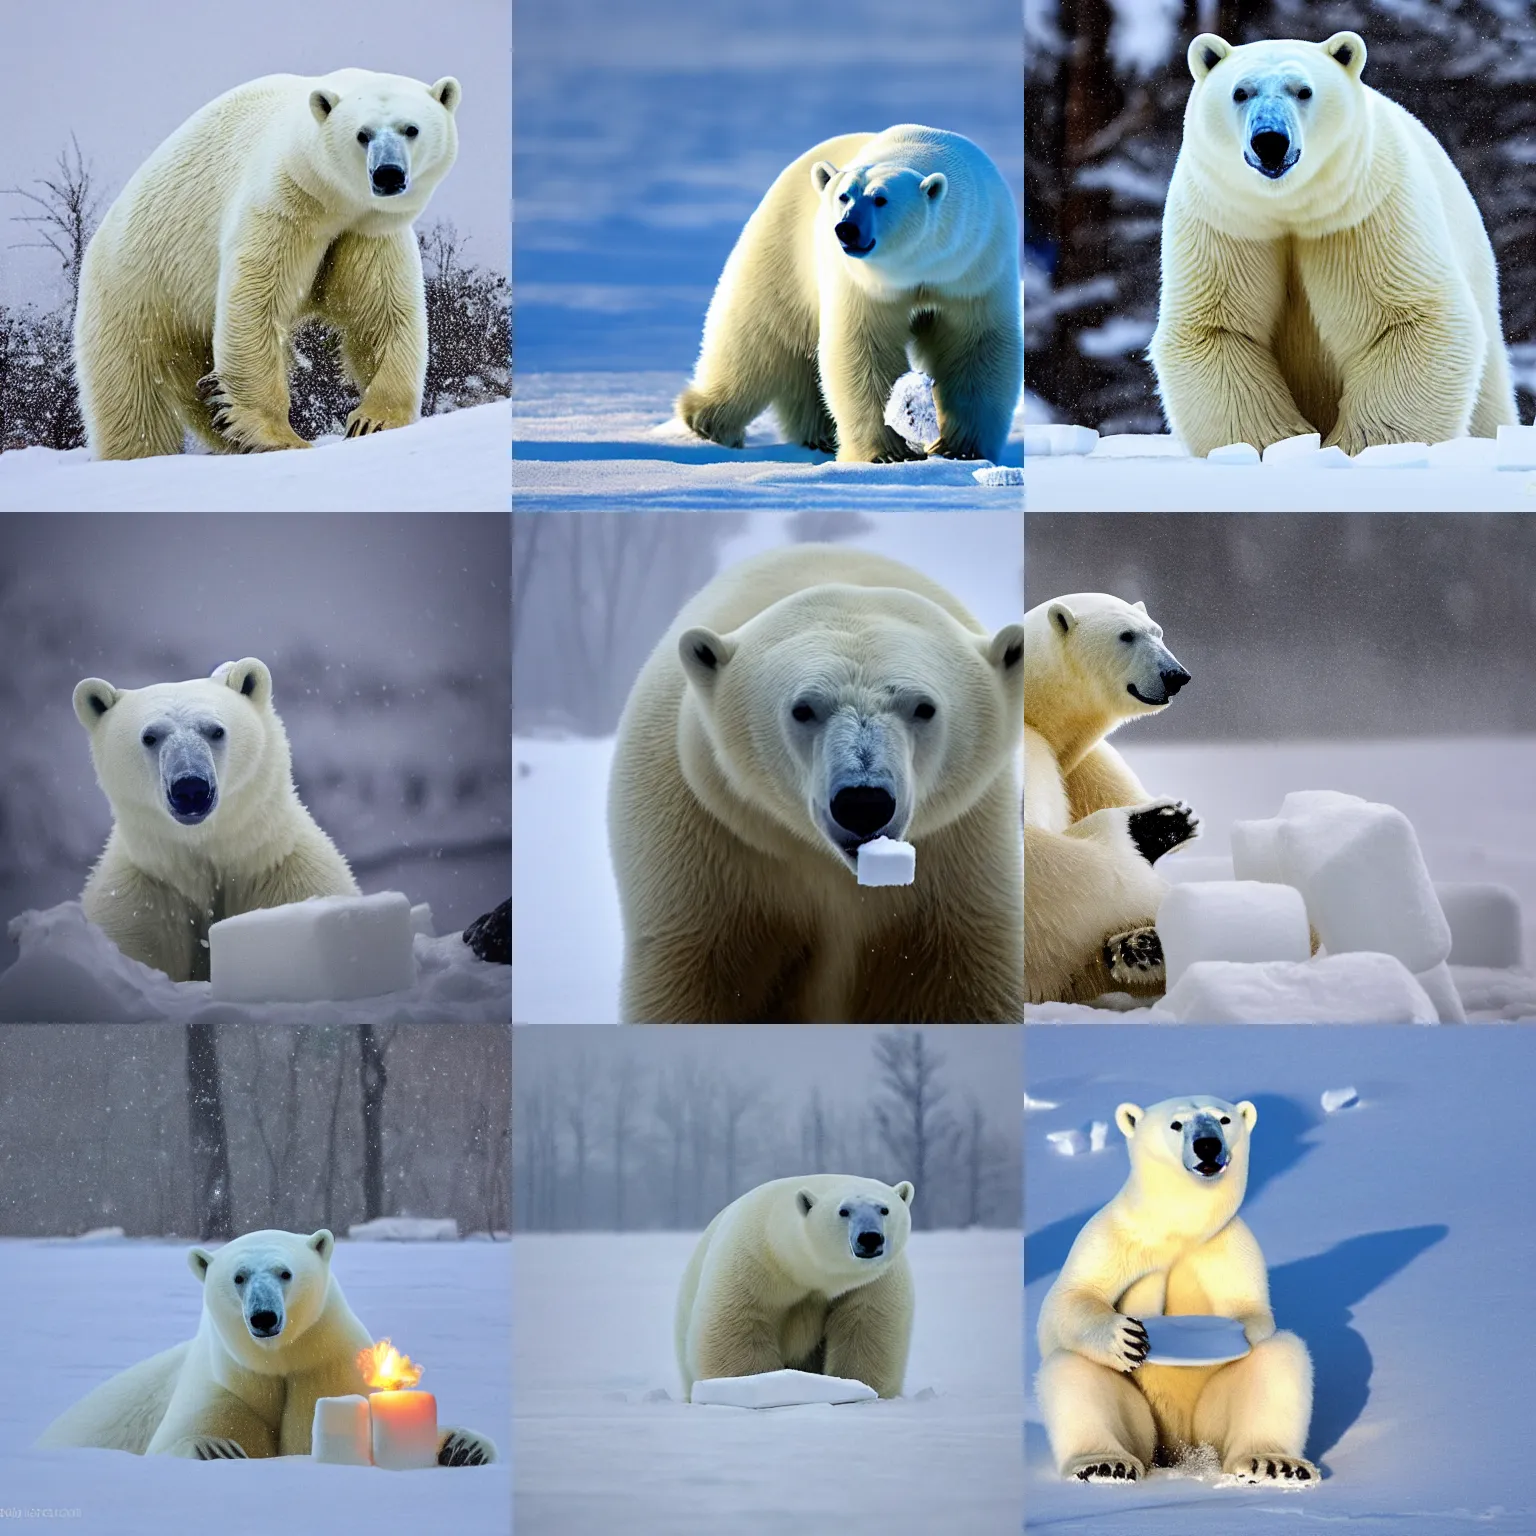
x=1255, y=852
x=1233, y=453
x=1302, y=800
x=1517, y=447
x=998, y=474
x=1395, y=456
x=1194, y=1339
x=910, y=411
x=1067, y=439
x=1485, y=922
x=342, y=1432
x=780, y=1389
x=1179, y=867
x=1140, y=445
x=884, y=861
x=405, y=1229
x=1231, y=920
x=1441, y=987
x=1366, y=887
x=1068, y=1143
x=421, y=920
x=331, y=948
x=1301, y=447
x=1098, y=1135
x=1335, y=1099
x=1337, y=989
x=1464, y=453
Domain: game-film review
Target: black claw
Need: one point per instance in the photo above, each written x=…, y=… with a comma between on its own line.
x=1302, y=1475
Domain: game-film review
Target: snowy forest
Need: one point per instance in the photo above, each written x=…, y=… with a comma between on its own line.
x=1105, y=87
x=204, y=1132
x=468, y=322
x=621, y=1137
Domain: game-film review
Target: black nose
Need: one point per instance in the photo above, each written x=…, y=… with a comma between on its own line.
x=1271, y=148
x=863, y=809
x=191, y=796
x=1207, y=1149
x=389, y=179
x=1173, y=678
x=264, y=1323
x=870, y=1243
x=848, y=232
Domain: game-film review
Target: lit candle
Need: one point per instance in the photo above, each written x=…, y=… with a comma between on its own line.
x=342, y=1431
x=404, y=1422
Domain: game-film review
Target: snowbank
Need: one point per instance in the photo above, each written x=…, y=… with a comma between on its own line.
x=70, y=972
x=451, y=463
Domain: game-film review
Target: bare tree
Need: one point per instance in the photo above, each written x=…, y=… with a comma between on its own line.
x=626, y=1084
x=373, y=1079
x=328, y=1171
x=69, y=206
x=208, y=1135
x=671, y=1109
x=814, y=1133
x=277, y=1144
x=739, y=1097
x=916, y=1129
x=577, y=1112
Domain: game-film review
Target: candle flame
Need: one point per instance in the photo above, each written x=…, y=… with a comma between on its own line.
x=385, y=1369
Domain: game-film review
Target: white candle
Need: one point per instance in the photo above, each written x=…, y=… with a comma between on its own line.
x=404, y=1429
x=342, y=1431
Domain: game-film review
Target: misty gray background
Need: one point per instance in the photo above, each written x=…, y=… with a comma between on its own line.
x=698, y=1116
x=386, y=636
x=93, y=1127
x=122, y=77
x=1312, y=625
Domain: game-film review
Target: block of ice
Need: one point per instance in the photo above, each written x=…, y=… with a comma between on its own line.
x=1336, y=989
x=998, y=474
x=1231, y=920
x=1192, y=1339
x=421, y=920
x=1485, y=923
x=332, y=948
x=1255, y=853
x=1233, y=453
x=1067, y=1143
x=342, y=1432
x=1178, y=867
x=1066, y=438
x=910, y=411
x=1464, y=453
x=1395, y=456
x=1301, y=447
x=1098, y=1135
x=1441, y=988
x=780, y=1389
x=884, y=861
x=1365, y=883
x=1302, y=800
x=1517, y=447
x=1335, y=1099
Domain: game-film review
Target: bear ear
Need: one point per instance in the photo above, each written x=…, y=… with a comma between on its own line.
x=448, y=92
x=934, y=187
x=323, y=103
x=1005, y=650
x=1127, y=1117
x=805, y=1200
x=1205, y=53
x=1250, y=1115
x=1061, y=618
x=1348, y=49
x=93, y=698
x=198, y=1260
x=323, y=1244
x=904, y=1192
x=704, y=655
x=1139, y=606
x=251, y=678
x=822, y=173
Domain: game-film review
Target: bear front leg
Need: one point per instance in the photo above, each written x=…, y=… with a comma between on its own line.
x=372, y=290
x=464, y=1448
x=1100, y=1426
x=264, y=276
x=861, y=353
x=147, y=920
x=211, y=1424
x=1257, y=1410
x=977, y=368
x=869, y=1332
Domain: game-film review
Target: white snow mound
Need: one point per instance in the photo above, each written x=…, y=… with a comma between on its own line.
x=1336, y=989
x=405, y=1229
x=780, y=1389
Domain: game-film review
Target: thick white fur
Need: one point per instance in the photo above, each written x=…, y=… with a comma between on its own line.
x=1171, y=1243
x=822, y=336
x=254, y=215
x=773, y=1284
x=737, y=905
x=159, y=883
x=1355, y=296
x=1084, y=880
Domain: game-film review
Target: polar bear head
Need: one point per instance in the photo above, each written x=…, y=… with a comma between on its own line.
x=848, y=713
x=187, y=759
x=387, y=140
x=843, y=1230
x=1281, y=108
x=1190, y=1148
x=1092, y=661
x=262, y=1291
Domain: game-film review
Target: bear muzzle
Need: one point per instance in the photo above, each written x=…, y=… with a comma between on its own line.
x=868, y=1243
x=854, y=239
x=191, y=798
x=1205, y=1148
x=1271, y=153
x=389, y=166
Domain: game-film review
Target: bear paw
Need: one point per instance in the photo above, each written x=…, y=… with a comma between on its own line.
x=240, y=426
x=946, y=447
x=211, y=1448
x=710, y=420
x=1270, y=1468
x=891, y=449
x=1126, y=1347
x=361, y=422
x=1105, y=1467
x=1160, y=828
x=464, y=1448
x=1135, y=958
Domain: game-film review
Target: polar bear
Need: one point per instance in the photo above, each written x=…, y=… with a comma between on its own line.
x=1324, y=267
x=802, y=1274
x=284, y=199
x=869, y=245
x=807, y=701
x=206, y=821
x=1091, y=831
x=275, y=1335
x=1172, y=1244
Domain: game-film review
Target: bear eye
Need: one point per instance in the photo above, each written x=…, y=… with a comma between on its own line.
x=1127, y=636
x=411, y=130
x=285, y=1274
x=879, y=202
x=885, y=1210
x=803, y=713
x=842, y=197
x=1178, y=1125
x=1240, y=95
x=240, y=1278
x=149, y=738
x=216, y=734
x=844, y=1212
x=1304, y=94
x=925, y=711
x=1226, y=1120
x=363, y=136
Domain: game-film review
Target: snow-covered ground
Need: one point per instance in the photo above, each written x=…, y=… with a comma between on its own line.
x=1155, y=474
x=604, y=440
x=451, y=463
x=91, y=1309
x=1397, y=1248
x=605, y=1444
x=567, y=939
